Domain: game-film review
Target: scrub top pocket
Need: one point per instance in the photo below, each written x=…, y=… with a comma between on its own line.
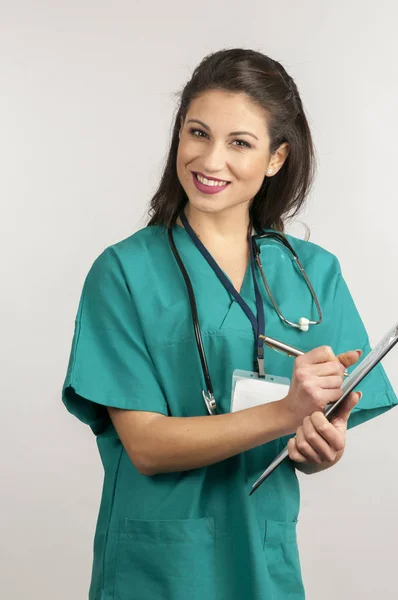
x=282, y=560
x=166, y=559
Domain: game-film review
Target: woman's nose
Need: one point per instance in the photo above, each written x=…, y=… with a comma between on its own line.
x=214, y=158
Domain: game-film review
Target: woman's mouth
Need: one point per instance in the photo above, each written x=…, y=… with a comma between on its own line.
x=209, y=186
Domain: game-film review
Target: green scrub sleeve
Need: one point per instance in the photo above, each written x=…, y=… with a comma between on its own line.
x=349, y=333
x=109, y=363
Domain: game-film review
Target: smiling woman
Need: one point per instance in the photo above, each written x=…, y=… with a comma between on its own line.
x=176, y=521
x=240, y=117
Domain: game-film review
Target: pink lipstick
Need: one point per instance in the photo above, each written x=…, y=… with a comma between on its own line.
x=208, y=189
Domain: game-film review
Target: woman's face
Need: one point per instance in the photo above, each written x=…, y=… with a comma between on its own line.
x=224, y=139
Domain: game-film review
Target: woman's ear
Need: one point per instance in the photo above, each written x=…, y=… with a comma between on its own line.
x=281, y=155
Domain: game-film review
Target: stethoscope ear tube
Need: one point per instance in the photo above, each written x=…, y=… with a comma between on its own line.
x=304, y=322
x=209, y=395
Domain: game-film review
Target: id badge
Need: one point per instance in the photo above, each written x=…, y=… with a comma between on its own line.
x=248, y=389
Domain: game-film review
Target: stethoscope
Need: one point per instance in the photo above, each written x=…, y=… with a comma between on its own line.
x=258, y=322
x=303, y=323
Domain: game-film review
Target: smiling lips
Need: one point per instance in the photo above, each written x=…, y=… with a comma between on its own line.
x=209, y=186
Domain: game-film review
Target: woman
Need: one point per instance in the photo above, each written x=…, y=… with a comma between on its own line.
x=176, y=520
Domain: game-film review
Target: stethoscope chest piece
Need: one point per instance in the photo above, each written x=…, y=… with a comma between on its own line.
x=210, y=402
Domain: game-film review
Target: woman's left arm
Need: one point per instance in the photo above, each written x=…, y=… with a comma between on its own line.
x=319, y=444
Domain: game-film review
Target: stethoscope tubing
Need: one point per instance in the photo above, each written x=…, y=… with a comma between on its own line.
x=195, y=316
x=281, y=238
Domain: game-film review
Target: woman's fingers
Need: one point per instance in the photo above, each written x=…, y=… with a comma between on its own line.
x=324, y=354
x=304, y=448
x=343, y=412
x=349, y=358
x=316, y=385
x=332, y=371
x=295, y=455
x=329, y=383
x=324, y=438
x=317, y=441
x=321, y=354
x=332, y=367
x=316, y=382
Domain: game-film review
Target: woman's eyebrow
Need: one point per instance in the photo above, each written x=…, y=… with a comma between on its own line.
x=232, y=132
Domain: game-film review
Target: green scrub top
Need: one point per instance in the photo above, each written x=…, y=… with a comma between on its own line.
x=197, y=534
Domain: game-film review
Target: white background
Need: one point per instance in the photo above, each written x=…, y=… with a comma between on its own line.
x=86, y=107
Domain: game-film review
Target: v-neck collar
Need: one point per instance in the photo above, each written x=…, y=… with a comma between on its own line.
x=247, y=276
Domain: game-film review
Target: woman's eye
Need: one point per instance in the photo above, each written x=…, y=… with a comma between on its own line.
x=202, y=134
x=197, y=133
x=245, y=144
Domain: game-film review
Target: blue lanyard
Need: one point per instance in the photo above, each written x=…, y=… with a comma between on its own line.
x=258, y=323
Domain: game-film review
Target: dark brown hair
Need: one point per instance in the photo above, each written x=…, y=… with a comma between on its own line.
x=267, y=84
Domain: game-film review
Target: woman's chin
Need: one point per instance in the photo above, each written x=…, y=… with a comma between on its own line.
x=205, y=205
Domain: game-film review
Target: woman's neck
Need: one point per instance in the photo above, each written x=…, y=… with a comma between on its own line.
x=225, y=227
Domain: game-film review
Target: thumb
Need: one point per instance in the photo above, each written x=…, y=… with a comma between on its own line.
x=343, y=412
x=349, y=358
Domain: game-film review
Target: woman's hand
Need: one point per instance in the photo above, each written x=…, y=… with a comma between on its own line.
x=320, y=442
x=317, y=379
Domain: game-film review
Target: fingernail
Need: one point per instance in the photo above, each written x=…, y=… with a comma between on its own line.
x=360, y=395
x=359, y=352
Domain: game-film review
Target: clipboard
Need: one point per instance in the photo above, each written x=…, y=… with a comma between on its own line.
x=357, y=375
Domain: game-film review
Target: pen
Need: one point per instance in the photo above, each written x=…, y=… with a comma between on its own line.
x=284, y=348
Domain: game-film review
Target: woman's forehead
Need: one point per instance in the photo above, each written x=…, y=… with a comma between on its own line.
x=221, y=108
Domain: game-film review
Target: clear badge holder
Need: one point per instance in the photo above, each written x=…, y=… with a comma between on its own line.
x=249, y=390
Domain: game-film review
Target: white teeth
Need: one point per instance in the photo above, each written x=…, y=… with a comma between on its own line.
x=211, y=183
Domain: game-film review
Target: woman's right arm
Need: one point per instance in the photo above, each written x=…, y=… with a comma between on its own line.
x=157, y=443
